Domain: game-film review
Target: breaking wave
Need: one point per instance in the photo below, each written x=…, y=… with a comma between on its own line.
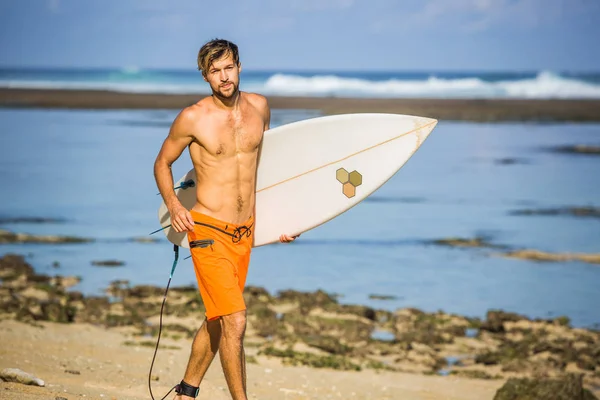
x=544, y=85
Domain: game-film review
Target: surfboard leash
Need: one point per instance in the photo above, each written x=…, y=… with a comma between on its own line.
x=176, y=250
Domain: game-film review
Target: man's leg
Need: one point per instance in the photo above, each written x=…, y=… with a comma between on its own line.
x=204, y=349
x=231, y=351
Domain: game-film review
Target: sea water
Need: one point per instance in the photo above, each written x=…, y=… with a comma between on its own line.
x=93, y=172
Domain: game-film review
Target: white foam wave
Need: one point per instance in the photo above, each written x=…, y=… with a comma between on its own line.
x=544, y=85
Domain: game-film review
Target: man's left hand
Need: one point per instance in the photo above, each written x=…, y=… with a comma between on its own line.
x=287, y=239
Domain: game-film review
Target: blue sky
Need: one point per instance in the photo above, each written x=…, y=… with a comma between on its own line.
x=305, y=34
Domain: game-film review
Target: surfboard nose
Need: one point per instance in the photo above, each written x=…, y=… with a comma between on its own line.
x=426, y=126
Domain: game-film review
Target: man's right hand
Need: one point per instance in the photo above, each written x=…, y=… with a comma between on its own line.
x=181, y=219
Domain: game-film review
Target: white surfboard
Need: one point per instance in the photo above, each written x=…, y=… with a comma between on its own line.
x=314, y=170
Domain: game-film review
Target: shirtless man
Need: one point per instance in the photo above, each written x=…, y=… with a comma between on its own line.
x=224, y=134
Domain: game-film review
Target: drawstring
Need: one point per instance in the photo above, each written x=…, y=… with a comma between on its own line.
x=236, y=236
x=176, y=250
x=239, y=233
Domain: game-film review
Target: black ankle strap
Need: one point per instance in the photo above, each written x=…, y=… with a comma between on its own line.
x=187, y=390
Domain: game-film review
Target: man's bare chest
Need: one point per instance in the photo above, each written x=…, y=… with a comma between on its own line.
x=234, y=135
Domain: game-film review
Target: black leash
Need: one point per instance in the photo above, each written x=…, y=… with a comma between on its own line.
x=176, y=249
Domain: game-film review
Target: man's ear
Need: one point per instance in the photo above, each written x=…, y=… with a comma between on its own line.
x=204, y=77
x=240, y=67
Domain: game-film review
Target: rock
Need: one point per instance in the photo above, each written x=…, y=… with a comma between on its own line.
x=108, y=263
x=317, y=324
x=473, y=374
x=382, y=297
x=495, y=320
x=254, y=294
x=96, y=309
x=590, y=212
x=264, y=320
x=328, y=344
x=144, y=239
x=578, y=149
x=291, y=357
x=145, y=291
x=13, y=266
x=64, y=282
x=11, y=237
x=568, y=387
x=464, y=242
x=18, y=376
x=57, y=312
x=31, y=220
x=34, y=293
x=412, y=325
x=361, y=311
x=510, y=161
x=72, y=372
x=307, y=300
x=537, y=255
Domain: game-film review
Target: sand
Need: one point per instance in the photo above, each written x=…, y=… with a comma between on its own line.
x=108, y=369
x=442, y=109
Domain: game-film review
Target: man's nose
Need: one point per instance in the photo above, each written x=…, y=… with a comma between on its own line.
x=224, y=76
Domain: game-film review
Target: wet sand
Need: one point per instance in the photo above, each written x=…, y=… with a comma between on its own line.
x=443, y=109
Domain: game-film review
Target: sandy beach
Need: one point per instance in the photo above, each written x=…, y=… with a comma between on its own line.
x=82, y=361
x=443, y=109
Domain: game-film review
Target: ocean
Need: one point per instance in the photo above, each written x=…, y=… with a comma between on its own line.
x=527, y=85
x=91, y=171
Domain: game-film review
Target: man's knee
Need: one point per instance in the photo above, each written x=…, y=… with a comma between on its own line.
x=234, y=325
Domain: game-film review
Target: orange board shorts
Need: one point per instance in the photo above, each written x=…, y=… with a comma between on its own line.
x=221, y=255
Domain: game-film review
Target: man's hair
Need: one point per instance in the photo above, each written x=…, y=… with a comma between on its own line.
x=214, y=50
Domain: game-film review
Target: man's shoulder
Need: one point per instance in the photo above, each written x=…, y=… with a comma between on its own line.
x=189, y=117
x=257, y=100
x=193, y=112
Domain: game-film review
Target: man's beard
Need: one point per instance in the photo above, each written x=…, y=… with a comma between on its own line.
x=222, y=95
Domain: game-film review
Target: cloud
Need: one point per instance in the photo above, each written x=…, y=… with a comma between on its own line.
x=486, y=14
x=483, y=15
x=53, y=6
x=320, y=5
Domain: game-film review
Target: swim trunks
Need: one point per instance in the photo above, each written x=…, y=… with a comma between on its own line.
x=221, y=255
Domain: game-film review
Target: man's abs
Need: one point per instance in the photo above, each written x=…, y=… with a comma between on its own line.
x=226, y=189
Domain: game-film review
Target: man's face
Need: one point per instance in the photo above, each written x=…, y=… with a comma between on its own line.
x=223, y=77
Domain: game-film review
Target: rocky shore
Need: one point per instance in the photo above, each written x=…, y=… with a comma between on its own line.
x=315, y=330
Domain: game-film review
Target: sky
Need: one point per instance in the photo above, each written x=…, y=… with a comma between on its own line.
x=388, y=35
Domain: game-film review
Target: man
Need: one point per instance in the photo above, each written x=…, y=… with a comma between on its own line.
x=224, y=135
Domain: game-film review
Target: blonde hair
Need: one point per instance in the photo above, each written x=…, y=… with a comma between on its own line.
x=214, y=50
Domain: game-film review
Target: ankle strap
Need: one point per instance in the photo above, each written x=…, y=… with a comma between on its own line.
x=187, y=390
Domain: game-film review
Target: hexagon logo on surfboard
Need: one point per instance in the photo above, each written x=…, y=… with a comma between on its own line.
x=349, y=180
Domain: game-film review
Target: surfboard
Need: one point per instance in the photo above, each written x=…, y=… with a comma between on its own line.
x=311, y=171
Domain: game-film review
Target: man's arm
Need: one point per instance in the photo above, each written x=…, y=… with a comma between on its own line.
x=180, y=136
